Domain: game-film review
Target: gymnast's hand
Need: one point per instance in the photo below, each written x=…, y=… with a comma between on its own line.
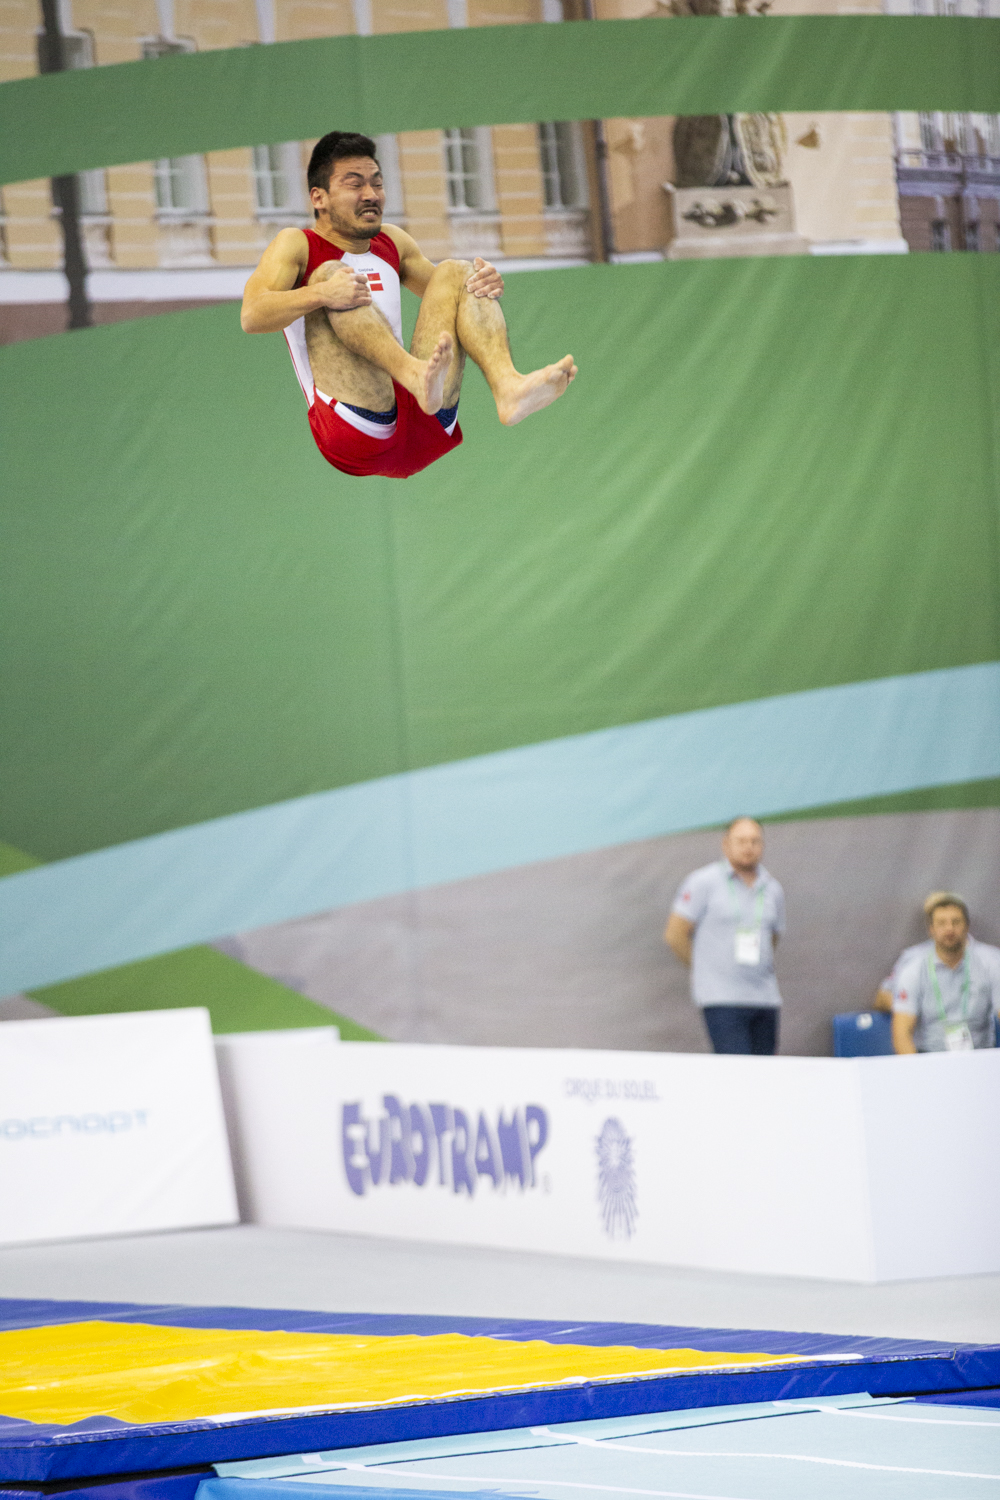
x=485, y=280
x=343, y=289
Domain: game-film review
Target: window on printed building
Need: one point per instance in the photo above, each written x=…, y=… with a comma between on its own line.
x=951, y=130
x=180, y=182
x=986, y=134
x=930, y=136
x=968, y=136
x=468, y=159
x=387, y=148
x=93, y=188
x=278, y=179
x=181, y=185
x=940, y=235
x=564, y=171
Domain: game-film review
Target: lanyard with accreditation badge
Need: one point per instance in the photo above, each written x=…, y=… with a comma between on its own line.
x=748, y=939
x=957, y=1038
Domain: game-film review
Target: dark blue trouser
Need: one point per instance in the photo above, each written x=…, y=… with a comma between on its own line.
x=748, y=1029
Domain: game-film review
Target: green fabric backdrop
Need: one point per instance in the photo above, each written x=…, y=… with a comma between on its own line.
x=493, y=75
x=771, y=475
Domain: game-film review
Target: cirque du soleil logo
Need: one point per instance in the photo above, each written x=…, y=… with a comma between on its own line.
x=441, y=1145
x=616, y=1184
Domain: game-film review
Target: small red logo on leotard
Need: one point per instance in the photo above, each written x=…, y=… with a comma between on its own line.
x=375, y=281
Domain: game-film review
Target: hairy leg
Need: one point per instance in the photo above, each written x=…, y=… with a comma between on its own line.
x=339, y=372
x=439, y=316
x=478, y=328
x=355, y=358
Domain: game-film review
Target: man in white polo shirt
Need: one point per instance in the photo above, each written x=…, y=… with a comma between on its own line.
x=725, y=922
x=947, y=994
x=886, y=990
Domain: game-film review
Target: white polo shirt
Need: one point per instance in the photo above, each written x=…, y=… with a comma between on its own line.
x=943, y=998
x=721, y=907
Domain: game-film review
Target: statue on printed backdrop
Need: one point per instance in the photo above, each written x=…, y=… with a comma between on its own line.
x=743, y=156
x=730, y=195
x=730, y=150
x=711, y=8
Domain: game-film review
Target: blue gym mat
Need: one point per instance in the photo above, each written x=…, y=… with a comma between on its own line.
x=100, y=1444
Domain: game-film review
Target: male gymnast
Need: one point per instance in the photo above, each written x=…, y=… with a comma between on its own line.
x=334, y=290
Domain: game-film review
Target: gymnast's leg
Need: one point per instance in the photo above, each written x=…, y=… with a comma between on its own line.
x=475, y=326
x=355, y=357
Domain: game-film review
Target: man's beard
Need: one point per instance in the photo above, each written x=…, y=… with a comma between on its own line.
x=358, y=228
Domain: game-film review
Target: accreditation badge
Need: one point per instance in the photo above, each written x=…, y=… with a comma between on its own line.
x=958, y=1039
x=748, y=946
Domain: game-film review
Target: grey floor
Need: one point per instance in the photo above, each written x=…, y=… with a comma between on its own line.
x=254, y=1267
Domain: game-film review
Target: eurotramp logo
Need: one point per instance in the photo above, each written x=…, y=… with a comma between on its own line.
x=441, y=1145
x=51, y=1127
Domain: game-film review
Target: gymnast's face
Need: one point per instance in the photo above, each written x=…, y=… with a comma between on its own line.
x=355, y=198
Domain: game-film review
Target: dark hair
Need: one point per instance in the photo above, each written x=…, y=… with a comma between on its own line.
x=336, y=146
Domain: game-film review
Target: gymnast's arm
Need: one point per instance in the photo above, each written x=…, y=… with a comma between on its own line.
x=271, y=300
x=415, y=270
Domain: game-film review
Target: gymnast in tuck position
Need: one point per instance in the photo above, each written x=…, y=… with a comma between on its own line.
x=334, y=290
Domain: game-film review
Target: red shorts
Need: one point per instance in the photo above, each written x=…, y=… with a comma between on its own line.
x=417, y=441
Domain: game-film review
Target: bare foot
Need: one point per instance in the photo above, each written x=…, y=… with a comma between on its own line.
x=528, y=393
x=431, y=375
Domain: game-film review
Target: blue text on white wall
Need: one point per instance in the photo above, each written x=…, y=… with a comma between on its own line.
x=441, y=1145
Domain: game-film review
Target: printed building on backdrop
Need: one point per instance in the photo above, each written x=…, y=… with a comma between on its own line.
x=555, y=193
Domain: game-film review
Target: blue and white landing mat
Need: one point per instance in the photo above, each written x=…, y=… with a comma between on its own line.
x=118, y=1389
x=840, y=1448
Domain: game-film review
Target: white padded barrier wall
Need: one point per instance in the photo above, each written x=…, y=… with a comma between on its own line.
x=855, y=1169
x=111, y=1125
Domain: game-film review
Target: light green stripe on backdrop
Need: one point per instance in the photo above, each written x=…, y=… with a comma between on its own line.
x=770, y=476
x=237, y=997
x=495, y=812
x=489, y=75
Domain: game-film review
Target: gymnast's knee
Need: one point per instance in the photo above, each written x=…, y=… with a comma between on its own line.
x=454, y=270
x=324, y=271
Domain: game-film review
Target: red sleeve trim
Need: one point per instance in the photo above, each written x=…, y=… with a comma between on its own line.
x=385, y=248
x=319, y=251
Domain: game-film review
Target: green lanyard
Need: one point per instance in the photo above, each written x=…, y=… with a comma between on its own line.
x=966, y=987
x=736, y=905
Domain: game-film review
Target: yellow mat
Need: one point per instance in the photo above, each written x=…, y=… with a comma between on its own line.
x=141, y=1372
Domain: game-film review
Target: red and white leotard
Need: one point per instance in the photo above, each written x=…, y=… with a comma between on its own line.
x=380, y=264
x=353, y=443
